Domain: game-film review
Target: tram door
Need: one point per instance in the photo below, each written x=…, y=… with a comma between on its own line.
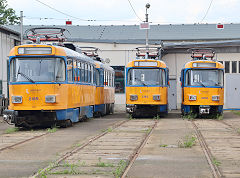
x=232, y=91
x=172, y=94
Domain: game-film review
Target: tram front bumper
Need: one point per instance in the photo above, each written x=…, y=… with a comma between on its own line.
x=131, y=108
x=204, y=109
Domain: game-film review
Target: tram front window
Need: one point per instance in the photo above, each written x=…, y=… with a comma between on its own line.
x=37, y=70
x=146, y=77
x=204, y=77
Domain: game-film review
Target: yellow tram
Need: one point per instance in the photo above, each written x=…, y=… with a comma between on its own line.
x=55, y=85
x=202, y=84
x=146, y=87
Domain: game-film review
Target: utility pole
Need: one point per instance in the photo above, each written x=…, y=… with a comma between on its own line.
x=147, y=47
x=21, y=26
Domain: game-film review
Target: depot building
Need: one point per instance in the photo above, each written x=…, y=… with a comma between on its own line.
x=117, y=47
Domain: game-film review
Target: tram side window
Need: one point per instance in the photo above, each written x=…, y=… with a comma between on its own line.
x=227, y=67
x=97, y=76
x=75, y=70
x=86, y=72
x=70, y=70
x=79, y=70
x=82, y=72
x=89, y=74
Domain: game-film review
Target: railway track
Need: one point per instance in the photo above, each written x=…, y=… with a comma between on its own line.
x=220, y=143
x=110, y=153
x=8, y=141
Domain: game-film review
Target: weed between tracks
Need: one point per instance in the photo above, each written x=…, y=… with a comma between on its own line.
x=187, y=142
x=216, y=162
x=11, y=130
x=120, y=169
x=190, y=116
x=52, y=130
x=103, y=164
x=107, y=130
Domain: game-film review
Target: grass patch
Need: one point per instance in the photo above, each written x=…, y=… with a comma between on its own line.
x=107, y=130
x=11, y=130
x=156, y=117
x=130, y=117
x=187, y=142
x=163, y=145
x=238, y=130
x=120, y=168
x=52, y=130
x=77, y=145
x=216, y=162
x=236, y=112
x=190, y=116
x=103, y=164
x=43, y=173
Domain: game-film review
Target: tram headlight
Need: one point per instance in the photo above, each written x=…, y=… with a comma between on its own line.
x=156, y=97
x=192, y=97
x=215, y=98
x=133, y=97
x=16, y=99
x=50, y=99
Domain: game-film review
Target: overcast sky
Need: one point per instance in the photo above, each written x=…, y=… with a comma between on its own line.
x=119, y=12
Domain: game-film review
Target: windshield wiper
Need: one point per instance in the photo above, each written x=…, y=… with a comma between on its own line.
x=202, y=84
x=140, y=81
x=24, y=75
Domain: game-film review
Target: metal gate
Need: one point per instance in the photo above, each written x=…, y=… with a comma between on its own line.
x=172, y=94
x=232, y=91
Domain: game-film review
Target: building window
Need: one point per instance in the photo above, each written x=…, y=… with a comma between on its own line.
x=119, y=79
x=234, y=66
x=0, y=87
x=238, y=66
x=227, y=67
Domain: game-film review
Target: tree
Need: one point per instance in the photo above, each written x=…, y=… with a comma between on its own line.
x=7, y=15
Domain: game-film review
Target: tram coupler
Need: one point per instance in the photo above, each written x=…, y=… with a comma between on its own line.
x=131, y=108
x=9, y=116
x=204, y=109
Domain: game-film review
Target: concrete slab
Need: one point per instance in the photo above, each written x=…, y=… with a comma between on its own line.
x=170, y=160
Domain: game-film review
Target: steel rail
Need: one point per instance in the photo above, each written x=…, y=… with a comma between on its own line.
x=215, y=170
x=24, y=141
x=229, y=125
x=138, y=150
x=68, y=154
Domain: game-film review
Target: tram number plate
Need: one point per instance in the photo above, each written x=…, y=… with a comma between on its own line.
x=144, y=96
x=33, y=98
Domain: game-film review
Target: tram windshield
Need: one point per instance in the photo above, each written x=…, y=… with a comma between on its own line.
x=37, y=70
x=204, y=77
x=146, y=77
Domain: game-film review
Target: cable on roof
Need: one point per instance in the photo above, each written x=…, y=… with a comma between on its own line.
x=134, y=11
x=207, y=11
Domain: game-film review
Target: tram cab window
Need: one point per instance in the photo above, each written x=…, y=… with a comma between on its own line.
x=204, y=77
x=146, y=77
x=37, y=70
x=97, y=77
x=79, y=70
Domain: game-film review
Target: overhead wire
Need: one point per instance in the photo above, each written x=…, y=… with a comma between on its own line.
x=134, y=11
x=207, y=11
x=62, y=12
